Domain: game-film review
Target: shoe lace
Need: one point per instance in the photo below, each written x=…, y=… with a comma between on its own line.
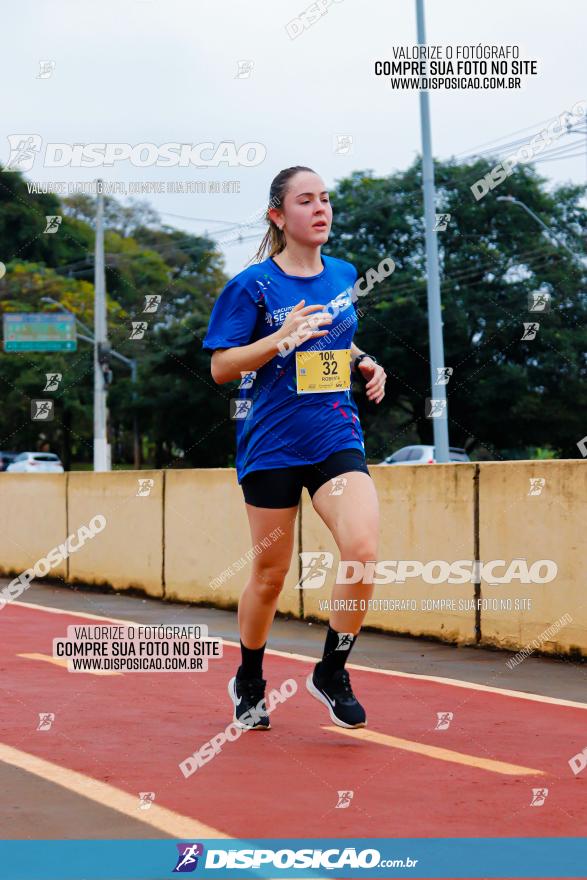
x=254, y=688
x=343, y=684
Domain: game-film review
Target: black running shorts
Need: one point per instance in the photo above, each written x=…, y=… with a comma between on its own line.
x=282, y=487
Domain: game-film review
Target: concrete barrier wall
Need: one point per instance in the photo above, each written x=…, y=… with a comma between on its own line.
x=208, y=547
x=32, y=520
x=128, y=553
x=184, y=535
x=550, y=524
x=424, y=517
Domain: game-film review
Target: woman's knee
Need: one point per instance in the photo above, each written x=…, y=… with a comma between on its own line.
x=268, y=580
x=361, y=548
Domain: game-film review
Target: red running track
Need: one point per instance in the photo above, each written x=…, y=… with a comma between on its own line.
x=133, y=730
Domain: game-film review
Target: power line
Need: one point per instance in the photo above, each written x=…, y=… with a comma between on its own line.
x=557, y=158
x=513, y=146
x=463, y=275
x=473, y=150
x=198, y=219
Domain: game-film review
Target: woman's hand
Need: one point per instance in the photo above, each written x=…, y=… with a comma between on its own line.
x=375, y=376
x=300, y=324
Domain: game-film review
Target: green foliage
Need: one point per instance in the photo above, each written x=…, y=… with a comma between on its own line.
x=506, y=397
x=503, y=392
x=543, y=454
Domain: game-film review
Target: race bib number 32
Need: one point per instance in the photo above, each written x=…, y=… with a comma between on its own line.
x=323, y=370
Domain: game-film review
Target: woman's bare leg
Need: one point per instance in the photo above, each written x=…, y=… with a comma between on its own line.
x=353, y=519
x=258, y=601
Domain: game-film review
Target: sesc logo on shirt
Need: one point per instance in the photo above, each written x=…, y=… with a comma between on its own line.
x=336, y=305
x=279, y=315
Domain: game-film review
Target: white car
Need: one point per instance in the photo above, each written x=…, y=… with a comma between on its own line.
x=35, y=463
x=422, y=455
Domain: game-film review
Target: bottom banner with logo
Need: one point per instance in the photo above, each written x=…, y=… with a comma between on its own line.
x=554, y=857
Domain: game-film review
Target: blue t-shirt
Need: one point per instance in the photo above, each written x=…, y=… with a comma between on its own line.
x=281, y=427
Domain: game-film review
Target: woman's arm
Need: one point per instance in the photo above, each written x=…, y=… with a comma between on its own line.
x=299, y=325
x=374, y=374
x=228, y=364
x=355, y=352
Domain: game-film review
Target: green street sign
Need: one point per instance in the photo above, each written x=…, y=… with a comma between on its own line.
x=39, y=332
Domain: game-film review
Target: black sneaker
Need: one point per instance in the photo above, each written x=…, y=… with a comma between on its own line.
x=248, y=697
x=337, y=695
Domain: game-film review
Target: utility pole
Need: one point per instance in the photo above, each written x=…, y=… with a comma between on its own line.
x=135, y=424
x=130, y=362
x=438, y=392
x=102, y=461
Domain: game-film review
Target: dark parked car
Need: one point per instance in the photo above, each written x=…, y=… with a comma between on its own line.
x=6, y=458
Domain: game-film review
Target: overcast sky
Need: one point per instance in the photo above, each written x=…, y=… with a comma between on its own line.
x=135, y=71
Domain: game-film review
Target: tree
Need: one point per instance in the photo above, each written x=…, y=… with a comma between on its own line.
x=504, y=392
x=23, y=374
x=507, y=396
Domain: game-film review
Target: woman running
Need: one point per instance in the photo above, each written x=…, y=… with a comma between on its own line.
x=297, y=425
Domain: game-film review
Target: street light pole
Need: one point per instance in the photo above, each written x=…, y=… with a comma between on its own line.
x=438, y=391
x=529, y=211
x=135, y=424
x=130, y=362
x=102, y=460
